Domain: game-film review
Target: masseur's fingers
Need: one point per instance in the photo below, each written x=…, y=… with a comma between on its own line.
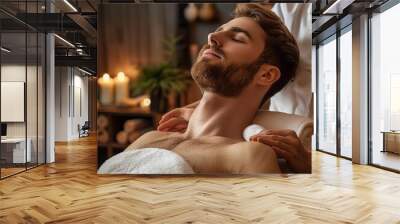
x=283, y=132
x=173, y=113
x=274, y=140
x=285, y=135
x=262, y=133
x=171, y=123
x=179, y=128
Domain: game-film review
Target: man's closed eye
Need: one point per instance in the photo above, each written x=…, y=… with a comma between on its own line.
x=238, y=39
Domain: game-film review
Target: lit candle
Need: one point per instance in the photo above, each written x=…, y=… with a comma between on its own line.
x=121, y=88
x=145, y=102
x=106, y=84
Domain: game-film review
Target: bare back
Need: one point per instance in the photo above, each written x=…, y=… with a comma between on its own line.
x=213, y=154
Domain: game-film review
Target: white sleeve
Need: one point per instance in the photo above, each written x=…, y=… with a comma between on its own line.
x=296, y=97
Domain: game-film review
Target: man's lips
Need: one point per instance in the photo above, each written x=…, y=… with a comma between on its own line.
x=210, y=52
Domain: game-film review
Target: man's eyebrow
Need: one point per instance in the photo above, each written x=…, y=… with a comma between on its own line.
x=236, y=30
x=219, y=28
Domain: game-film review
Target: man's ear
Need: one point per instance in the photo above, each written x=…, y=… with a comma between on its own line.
x=267, y=75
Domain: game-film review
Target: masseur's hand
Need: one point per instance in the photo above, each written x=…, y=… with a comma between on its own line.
x=286, y=145
x=175, y=120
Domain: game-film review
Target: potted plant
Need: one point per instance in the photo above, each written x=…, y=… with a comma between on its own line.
x=160, y=80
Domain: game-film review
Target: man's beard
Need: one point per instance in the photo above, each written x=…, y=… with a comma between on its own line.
x=218, y=77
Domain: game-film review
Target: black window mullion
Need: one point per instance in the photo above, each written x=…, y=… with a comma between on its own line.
x=26, y=87
x=316, y=97
x=369, y=97
x=338, y=73
x=37, y=90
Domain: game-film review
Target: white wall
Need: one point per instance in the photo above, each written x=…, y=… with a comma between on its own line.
x=33, y=127
x=12, y=73
x=61, y=104
x=79, y=112
x=71, y=93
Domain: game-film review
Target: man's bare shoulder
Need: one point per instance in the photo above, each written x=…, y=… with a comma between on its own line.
x=158, y=139
x=252, y=157
x=158, y=134
x=255, y=150
x=251, y=149
x=152, y=134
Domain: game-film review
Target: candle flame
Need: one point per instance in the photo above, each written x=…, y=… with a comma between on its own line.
x=121, y=76
x=106, y=76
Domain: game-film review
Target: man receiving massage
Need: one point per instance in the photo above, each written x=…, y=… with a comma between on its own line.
x=245, y=62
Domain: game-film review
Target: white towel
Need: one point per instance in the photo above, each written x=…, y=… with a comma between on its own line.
x=146, y=161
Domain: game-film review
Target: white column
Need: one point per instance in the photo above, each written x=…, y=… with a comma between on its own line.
x=50, y=109
x=50, y=92
x=360, y=90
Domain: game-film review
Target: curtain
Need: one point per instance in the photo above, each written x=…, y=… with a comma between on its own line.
x=132, y=35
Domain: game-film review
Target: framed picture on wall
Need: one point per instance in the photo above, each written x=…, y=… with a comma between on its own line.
x=12, y=101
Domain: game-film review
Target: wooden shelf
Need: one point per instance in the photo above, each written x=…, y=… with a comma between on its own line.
x=114, y=145
x=116, y=110
x=117, y=116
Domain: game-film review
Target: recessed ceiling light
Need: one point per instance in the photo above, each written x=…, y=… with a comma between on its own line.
x=70, y=5
x=84, y=71
x=337, y=7
x=65, y=41
x=5, y=50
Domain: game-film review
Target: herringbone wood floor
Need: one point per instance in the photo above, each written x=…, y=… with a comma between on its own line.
x=69, y=191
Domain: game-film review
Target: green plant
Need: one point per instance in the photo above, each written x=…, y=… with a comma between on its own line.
x=160, y=80
x=170, y=53
x=163, y=77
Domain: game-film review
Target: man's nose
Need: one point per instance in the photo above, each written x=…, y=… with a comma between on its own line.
x=214, y=39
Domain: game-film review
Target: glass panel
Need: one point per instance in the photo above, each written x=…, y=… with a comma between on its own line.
x=385, y=84
x=327, y=97
x=14, y=153
x=31, y=98
x=41, y=98
x=32, y=87
x=346, y=95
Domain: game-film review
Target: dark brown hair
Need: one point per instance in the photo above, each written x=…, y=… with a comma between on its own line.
x=280, y=50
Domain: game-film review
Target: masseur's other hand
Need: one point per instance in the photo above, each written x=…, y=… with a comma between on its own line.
x=286, y=145
x=175, y=120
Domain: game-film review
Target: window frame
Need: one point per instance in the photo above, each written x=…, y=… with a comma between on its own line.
x=381, y=9
x=334, y=37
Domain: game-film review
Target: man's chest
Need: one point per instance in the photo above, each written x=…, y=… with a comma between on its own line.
x=181, y=145
x=203, y=154
x=177, y=142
